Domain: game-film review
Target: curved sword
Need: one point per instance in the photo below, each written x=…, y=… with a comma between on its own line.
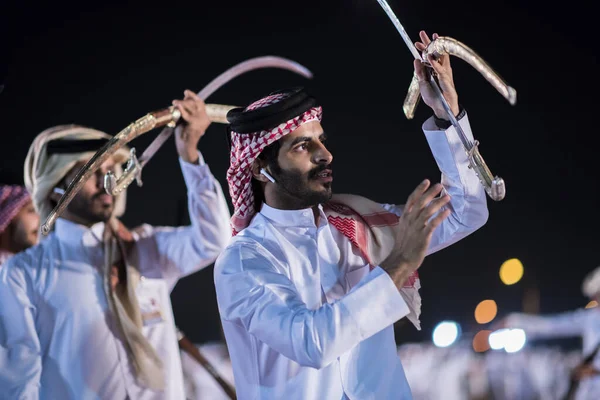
x=169, y=117
x=222, y=79
x=494, y=185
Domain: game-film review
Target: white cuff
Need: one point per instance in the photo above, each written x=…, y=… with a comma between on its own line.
x=375, y=303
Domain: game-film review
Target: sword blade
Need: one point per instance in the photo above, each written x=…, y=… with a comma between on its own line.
x=233, y=72
x=436, y=88
x=400, y=29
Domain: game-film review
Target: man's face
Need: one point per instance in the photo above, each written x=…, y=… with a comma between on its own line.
x=91, y=204
x=24, y=228
x=303, y=172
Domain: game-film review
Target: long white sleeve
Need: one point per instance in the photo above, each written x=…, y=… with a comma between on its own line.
x=253, y=292
x=467, y=196
x=567, y=324
x=20, y=354
x=184, y=250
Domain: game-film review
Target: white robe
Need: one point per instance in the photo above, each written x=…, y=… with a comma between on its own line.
x=457, y=372
x=584, y=323
x=302, y=315
x=58, y=339
x=440, y=373
x=199, y=384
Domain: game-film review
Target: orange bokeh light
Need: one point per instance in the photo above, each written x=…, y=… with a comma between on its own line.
x=486, y=311
x=481, y=341
x=592, y=304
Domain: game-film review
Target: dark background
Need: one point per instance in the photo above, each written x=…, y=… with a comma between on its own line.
x=104, y=65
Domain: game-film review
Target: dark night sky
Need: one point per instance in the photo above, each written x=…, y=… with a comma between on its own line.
x=106, y=65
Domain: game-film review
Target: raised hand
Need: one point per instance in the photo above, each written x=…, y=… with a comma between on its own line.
x=416, y=229
x=443, y=71
x=187, y=135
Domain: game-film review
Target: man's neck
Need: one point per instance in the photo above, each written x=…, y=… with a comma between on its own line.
x=4, y=251
x=317, y=215
x=77, y=220
x=286, y=203
x=287, y=206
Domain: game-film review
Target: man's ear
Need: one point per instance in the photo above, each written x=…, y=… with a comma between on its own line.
x=256, y=167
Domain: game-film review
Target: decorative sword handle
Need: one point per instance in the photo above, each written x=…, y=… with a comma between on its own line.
x=494, y=185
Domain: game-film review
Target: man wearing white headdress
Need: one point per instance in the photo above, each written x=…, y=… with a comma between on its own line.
x=582, y=322
x=86, y=313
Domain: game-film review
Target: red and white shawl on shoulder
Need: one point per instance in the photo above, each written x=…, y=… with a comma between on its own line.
x=373, y=231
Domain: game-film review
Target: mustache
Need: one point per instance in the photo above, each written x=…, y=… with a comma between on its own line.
x=317, y=170
x=97, y=195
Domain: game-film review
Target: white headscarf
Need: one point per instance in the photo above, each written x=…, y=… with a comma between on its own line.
x=43, y=172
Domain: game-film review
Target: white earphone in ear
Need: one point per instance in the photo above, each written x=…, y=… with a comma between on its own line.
x=265, y=173
x=58, y=190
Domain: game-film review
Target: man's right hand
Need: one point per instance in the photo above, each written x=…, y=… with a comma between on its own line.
x=416, y=228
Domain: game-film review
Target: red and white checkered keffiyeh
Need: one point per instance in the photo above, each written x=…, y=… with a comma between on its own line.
x=244, y=150
x=12, y=199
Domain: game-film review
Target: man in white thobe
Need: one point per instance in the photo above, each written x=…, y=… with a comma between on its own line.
x=86, y=314
x=311, y=285
x=582, y=322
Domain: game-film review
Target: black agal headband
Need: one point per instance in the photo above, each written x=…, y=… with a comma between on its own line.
x=295, y=102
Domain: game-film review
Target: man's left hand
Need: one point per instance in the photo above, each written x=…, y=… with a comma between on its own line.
x=443, y=70
x=187, y=135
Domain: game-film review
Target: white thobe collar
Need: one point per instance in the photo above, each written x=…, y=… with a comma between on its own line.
x=303, y=218
x=77, y=234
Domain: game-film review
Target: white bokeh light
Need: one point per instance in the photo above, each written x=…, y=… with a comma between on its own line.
x=445, y=333
x=497, y=340
x=515, y=340
x=511, y=340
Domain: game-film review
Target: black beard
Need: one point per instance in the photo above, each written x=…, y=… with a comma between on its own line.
x=18, y=238
x=83, y=208
x=293, y=187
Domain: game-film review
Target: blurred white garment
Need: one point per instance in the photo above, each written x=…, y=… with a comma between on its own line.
x=584, y=323
x=437, y=373
x=199, y=384
x=550, y=369
x=457, y=372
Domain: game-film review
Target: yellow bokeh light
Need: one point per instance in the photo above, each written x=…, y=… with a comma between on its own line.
x=486, y=311
x=592, y=304
x=511, y=271
x=481, y=341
